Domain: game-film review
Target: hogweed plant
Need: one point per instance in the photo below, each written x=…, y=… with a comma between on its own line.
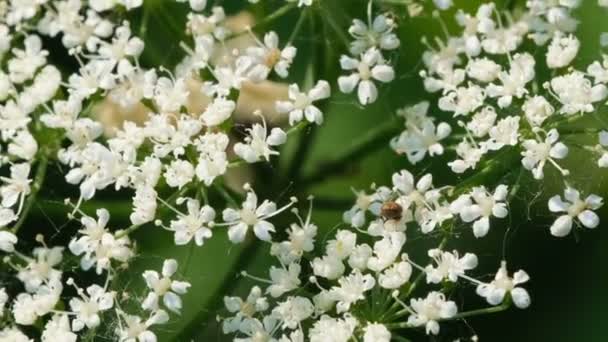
x=98, y=107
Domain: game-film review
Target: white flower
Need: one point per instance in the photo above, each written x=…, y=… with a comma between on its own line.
x=537, y=110
x=513, y=83
x=443, y=4
x=258, y=143
x=463, y=100
x=212, y=161
x=102, y=252
x=218, y=111
x=123, y=46
x=371, y=66
x=343, y=245
x=328, y=267
x=197, y=224
x=301, y=240
x=301, y=104
x=12, y=334
x=576, y=93
x=340, y=330
x=537, y=152
x=243, y=310
x=23, y=145
x=416, y=141
x=144, y=205
x=251, y=215
x=204, y=26
x=395, y=276
x=136, y=330
x=376, y=332
x=256, y=330
x=359, y=257
x=284, y=279
x=386, y=251
x=602, y=162
x=293, y=311
x=479, y=206
x=27, y=61
x=89, y=306
x=196, y=5
x=40, y=269
x=504, y=133
x=364, y=203
x=482, y=122
x=449, y=266
x=170, y=95
x=58, y=329
x=163, y=286
x=27, y=308
x=16, y=187
x=351, y=290
x=378, y=34
x=562, y=50
x=599, y=71
x=483, y=69
x=470, y=155
x=574, y=208
x=268, y=57
x=428, y=311
x=7, y=240
x=179, y=173
x=502, y=284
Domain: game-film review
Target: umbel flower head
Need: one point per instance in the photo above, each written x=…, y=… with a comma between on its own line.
x=150, y=125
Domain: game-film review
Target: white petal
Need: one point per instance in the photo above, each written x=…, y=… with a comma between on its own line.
x=383, y=73
x=348, y=83
x=169, y=267
x=562, y=226
x=589, y=219
x=481, y=227
x=367, y=92
x=521, y=298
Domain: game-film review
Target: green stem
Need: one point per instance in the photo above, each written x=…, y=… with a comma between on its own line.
x=484, y=311
x=298, y=27
x=329, y=18
x=43, y=162
x=465, y=314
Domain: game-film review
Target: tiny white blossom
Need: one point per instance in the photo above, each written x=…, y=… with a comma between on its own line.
x=538, y=152
x=574, y=208
x=428, y=311
x=371, y=66
x=301, y=104
x=449, y=266
x=495, y=291
x=164, y=286
x=352, y=289
x=378, y=33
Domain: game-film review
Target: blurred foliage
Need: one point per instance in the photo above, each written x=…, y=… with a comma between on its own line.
x=568, y=279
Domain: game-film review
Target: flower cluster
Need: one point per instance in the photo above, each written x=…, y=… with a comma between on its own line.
x=83, y=94
x=368, y=263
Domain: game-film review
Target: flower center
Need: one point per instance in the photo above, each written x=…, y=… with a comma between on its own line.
x=364, y=71
x=248, y=216
x=162, y=286
x=272, y=57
